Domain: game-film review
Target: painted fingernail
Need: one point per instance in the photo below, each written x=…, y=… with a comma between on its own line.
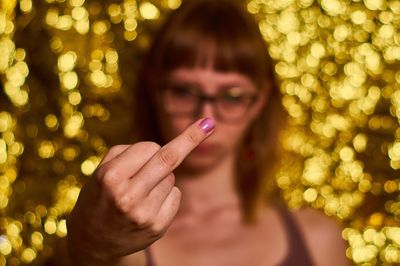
x=207, y=125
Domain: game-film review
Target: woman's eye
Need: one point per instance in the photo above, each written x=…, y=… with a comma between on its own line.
x=232, y=98
x=181, y=91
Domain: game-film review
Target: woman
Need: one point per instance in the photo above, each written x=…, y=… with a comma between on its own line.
x=205, y=93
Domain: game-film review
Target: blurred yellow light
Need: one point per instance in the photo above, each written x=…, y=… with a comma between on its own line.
x=130, y=35
x=13, y=229
x=51, y=121
x=360, y=142
x=5, y=121
x=64, y=22
x=73, y=125
x=52, y=16
x=310, y=195
x=130, y=24
x=379, y=239
x=37, y=238
x=67, y=61
x=89, y=165
x=62, y=228
x=74, y=98
x=315, y=171
x=386, y=17
x=395, y=7
x=3, y=21
x=394, y=151
x=76, y=3
x=111, y=56
x=70, y=153
x=56, y=44
x=69, y=80
x=391, y=186
x=15, y=76
x=25, y=6
x=10, y=27
x=369, y=234
x=376, y=219
x=332, y=205
x=317, y=50
x=392, y=254
x=98, y=78
x=100, y=27
x=97, y=54
x=375, y=4
x=16, y=148
x=359, y=17
x=288, y=22
x=340, y=33
x=20, y=54
x=174, y=4
x=386, y=31
x=5, y=245
x=347, y=154
x=50, y=226
x=148, y=10
x=46, y=149
x=82, y=26
x=364, y=185
x=333, y=7
x=79, y=13
x=393, y=233
x=364, y=253
x=28, y=255
x=114, y=10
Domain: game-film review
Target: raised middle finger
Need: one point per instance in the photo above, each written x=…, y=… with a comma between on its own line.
x=171, y=155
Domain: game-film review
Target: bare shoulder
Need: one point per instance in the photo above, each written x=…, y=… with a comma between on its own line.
x=323, y=237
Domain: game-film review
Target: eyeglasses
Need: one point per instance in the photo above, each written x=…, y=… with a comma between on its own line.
x=230, y=104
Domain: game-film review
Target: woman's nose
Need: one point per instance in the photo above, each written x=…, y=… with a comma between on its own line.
x=208, y=110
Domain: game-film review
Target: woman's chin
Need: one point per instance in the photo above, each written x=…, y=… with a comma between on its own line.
x=197, y=162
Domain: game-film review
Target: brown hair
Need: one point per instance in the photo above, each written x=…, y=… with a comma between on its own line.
x=233, y=35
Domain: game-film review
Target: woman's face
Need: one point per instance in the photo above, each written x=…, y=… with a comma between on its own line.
x=229, y=98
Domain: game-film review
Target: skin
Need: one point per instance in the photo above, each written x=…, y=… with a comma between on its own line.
x=138, y=200
x=218, y=148
x=135, y=200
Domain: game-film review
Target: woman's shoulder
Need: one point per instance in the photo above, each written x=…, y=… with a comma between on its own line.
x=323, y=237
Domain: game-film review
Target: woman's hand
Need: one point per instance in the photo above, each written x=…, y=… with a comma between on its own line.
x=131, y=199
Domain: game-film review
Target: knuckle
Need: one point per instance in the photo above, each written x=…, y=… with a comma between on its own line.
x=167, y=157
x=116, y=149
x=170, y=179
x=151, y=147
x=157, y=230
x=193, y=137
x=109, y=178
x=123, y=204
x=141, y=218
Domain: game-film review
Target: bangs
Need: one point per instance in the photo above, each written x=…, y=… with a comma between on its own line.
x=215, y=36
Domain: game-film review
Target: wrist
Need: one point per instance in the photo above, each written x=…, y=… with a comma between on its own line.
x=82, y=250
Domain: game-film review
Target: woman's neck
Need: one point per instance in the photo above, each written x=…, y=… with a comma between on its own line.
x=208, y=190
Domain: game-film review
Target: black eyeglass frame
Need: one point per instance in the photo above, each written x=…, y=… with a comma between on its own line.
x=202, y=98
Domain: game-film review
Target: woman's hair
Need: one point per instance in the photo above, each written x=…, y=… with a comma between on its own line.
x=185, y=40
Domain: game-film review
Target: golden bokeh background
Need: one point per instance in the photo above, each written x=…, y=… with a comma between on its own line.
x=67, y=66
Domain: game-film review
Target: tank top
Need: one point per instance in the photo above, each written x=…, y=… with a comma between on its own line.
x=298, y=254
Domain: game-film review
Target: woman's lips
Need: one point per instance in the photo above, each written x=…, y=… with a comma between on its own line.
x=205, y=148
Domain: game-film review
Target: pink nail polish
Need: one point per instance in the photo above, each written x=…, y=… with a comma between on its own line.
x=207, y=125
